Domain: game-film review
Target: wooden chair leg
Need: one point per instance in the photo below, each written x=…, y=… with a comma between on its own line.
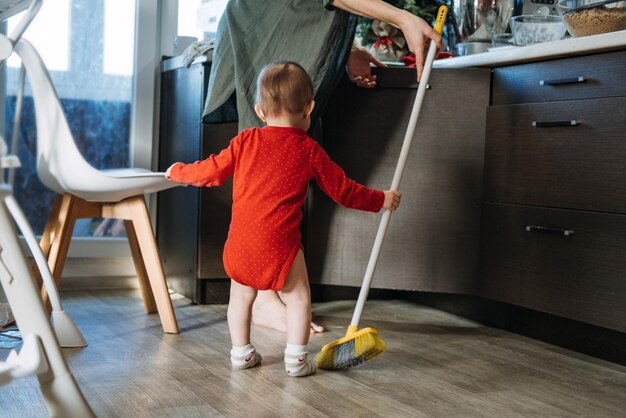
x=151, y=260
x=48, y=233
x=48, y=236
x=60, y=229
x=144, y=283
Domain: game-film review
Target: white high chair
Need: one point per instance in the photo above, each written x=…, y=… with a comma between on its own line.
x=85, y=192
x=40, y=354
x=64, y=327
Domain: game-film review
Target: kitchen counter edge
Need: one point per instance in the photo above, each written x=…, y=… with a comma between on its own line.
x=538, y=52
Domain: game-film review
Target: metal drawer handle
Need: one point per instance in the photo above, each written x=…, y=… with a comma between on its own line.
x=556, y=123
x=548, y=230
x=558, y=81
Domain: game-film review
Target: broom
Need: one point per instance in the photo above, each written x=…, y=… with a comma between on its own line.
x=359, y=346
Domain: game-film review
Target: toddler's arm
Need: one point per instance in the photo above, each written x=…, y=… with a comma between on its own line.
x=212, y=171
x=332, y=179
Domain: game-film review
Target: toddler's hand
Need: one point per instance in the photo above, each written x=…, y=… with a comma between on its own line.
x=392, y=200
x=168, y=171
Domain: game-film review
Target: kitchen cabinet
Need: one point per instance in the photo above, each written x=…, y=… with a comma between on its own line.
x=180, y=134
x=553, y=235
x=192, y=223
x=433, y=239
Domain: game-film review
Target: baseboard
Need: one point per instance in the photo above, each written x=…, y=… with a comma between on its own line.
x=99, y=283
x=87, y=267
x=592, y=340
x=212, y=291
x=599, y=342
x=325, y=293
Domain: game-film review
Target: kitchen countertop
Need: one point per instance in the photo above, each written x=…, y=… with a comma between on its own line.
x=538, y=52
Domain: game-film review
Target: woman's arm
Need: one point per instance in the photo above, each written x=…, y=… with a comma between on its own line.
x=416, y=31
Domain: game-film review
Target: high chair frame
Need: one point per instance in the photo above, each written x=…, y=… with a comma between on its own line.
x=86, y=192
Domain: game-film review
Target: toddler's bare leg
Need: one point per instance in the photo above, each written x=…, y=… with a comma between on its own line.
x=297, y=297
x=270, y=311
x=240, y=312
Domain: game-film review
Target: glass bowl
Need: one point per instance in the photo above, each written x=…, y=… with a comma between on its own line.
x=532, y=29
x=591, y=17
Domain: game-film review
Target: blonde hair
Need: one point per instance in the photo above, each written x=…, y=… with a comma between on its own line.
x=284, y=85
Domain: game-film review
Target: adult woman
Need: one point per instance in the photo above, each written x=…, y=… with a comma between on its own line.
x=317, y=34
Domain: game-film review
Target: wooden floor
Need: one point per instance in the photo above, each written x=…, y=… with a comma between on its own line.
x=437, y=365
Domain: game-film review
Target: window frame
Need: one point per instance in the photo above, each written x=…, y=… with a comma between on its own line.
x=155, y=23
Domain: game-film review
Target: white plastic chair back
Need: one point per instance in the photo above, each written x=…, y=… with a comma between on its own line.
x=60, y=165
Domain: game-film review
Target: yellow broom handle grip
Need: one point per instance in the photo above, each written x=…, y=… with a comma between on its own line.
x=441, y=19
x=397, y=177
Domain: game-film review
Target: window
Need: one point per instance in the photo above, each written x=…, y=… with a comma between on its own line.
x=90, y=55
x=199, y=18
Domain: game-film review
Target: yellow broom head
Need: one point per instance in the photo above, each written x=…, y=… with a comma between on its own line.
x=355, y=348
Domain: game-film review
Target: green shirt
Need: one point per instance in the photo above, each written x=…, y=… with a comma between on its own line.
x=254, y=33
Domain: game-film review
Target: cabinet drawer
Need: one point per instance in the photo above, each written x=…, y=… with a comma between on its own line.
x=580, y=166
x=567, y=263
x=566, y=79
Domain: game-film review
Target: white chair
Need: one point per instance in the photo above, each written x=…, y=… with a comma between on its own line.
x=65, y=329
x=85, y=192
x=40, y=354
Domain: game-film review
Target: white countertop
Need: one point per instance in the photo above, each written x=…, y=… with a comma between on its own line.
x=537, y=52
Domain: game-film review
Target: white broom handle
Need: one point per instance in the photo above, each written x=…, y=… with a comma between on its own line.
x=395, y=184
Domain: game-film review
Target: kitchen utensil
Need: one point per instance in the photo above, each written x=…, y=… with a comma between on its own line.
x=359, y=346
x=532, y=29
x=592, y=17
x=478, y=19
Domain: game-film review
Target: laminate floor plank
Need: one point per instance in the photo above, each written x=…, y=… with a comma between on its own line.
x=436, y=365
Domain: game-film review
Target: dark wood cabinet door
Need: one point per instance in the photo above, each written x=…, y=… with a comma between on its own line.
x=215, y=207
x=182, y=98
x=564, y=262
x=433, y=239
x=578, y=164
x=587, y=77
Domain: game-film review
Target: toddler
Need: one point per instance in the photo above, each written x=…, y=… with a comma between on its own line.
x=271, y=168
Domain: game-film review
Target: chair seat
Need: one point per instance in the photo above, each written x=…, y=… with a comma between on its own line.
x=132, y=173
x=117, y=184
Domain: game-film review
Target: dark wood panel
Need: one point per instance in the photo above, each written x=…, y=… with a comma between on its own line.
x=577, y=276
x=432, y=241
x=603, y=76
x=182, y=95
x=215, y=207
x=578, y=167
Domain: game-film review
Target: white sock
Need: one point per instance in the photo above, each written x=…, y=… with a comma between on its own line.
x=244, y=357
x=297, y=363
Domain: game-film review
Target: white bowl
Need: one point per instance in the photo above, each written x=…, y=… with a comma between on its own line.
x=532, y=29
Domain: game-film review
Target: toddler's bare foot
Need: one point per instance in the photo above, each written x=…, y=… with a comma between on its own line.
x=315, y=328
x=269, y=311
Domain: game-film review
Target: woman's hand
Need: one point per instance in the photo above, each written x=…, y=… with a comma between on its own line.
x=392, y=200
x=416, y=31
x=359, y=69
x=418, y=35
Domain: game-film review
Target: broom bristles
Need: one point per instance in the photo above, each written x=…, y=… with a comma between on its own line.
x=351, y=352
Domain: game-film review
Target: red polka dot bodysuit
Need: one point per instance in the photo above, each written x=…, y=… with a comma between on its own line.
x=271, y=169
